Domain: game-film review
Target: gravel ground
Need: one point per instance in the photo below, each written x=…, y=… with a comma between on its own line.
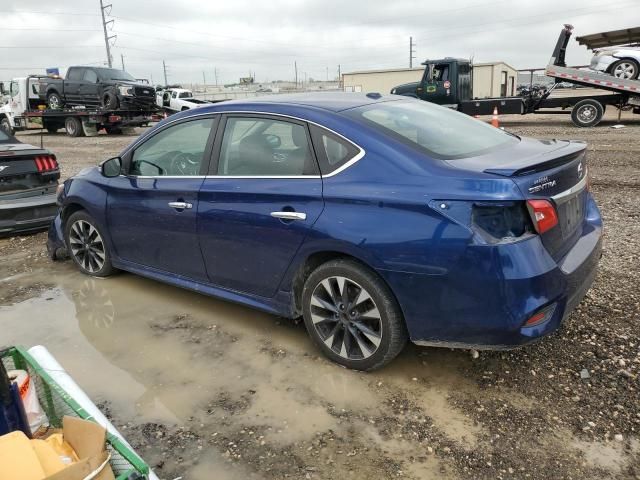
x=566, y=407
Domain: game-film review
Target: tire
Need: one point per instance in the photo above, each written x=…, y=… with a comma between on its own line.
x=109, y=101
x=54, y=101
x=587, y=113
x=73, y=126
x=627, y=69
x=5, y=126
x=328, y=318
x=86, y=245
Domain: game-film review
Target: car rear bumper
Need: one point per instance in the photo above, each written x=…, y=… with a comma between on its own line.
x=26, y=213
x=484, y=300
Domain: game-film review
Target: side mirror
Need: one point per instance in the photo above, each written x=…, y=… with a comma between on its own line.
x=112, y=167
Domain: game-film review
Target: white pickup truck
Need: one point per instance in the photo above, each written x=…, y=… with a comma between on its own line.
x=178, y=99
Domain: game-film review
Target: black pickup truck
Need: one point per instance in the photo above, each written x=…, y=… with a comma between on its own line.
x=107, y=88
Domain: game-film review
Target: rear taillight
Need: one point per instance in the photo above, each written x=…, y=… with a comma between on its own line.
x=543, y=214
x=46, y=163
x=500, y=222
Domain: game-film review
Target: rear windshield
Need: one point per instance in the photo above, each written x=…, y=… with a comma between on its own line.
x=441, y=132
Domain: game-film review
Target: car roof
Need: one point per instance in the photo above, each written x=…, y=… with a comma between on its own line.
x=331, y=101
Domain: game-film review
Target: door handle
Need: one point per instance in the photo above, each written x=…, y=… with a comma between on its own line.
x=180, y=205
x=289, y=215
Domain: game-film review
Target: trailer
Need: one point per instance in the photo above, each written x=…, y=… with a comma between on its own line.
x=24, y=109
x=448, y=82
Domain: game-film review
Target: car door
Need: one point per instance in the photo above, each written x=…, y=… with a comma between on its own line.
x=152, y=209
x=263, y=196
x=88, y=89
x=72, y=82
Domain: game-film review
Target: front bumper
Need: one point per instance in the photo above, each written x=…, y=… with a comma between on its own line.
x=485, y=298
x=20, y=213
x=55, y=239
x=145, y=104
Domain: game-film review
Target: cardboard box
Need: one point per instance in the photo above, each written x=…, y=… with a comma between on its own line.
x=24, y=459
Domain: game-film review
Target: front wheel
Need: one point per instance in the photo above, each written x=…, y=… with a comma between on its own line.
x=86, y=245
x=352, y=316
x=110, y=101
x=5, y=125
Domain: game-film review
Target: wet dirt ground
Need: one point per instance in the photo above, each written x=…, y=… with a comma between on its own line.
x=206, y=389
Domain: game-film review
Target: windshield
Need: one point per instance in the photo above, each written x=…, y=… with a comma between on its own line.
x=115, y=74
x=441, y=132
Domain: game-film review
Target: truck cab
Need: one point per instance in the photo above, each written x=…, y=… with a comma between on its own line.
x=20, y=95
x=444, y=82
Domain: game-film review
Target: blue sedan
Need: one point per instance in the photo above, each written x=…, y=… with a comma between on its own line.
x=378, y=219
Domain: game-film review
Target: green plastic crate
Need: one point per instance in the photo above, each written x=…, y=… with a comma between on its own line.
x=57, y=403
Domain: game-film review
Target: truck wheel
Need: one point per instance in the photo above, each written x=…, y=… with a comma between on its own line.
x=73, y=126
x=626, y=69
x=109, y=101
x=54, y=101
x=5, y=125
x=587, y=113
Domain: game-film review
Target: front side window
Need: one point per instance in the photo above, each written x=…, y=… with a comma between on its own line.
x=265, y=147
x=176, y=151
x=14, y=88
x=90, y=76
x=439, y=131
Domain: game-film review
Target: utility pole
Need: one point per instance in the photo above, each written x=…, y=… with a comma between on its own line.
x=107, y=38
x=204, y=79
x=327, y=74
x=122, y=60
x=164, y=69
x=339, y=77
x=411, y=52
x=215, y=74
x=295, y=65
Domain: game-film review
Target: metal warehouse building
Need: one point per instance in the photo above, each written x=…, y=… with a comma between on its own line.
x=493, y=79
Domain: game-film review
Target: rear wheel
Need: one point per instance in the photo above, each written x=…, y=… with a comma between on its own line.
x=86, y=245
x=352, y=316
x=5, y=125
x=73, y=126
x=626, y=68
x=54, y=101
x=587, y=113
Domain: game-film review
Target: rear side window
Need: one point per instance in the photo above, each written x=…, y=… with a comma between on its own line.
x=333, y=151
x=257, y=146
x=75, y=73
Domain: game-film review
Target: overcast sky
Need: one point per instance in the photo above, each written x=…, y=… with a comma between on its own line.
x=266, y=37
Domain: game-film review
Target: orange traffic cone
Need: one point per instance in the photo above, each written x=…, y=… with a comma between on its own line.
x=494, y=118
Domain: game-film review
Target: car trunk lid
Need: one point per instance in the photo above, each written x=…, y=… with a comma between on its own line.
x=552, y=170
x=23, y=167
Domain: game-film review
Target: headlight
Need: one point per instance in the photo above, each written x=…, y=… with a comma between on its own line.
x=125, y=91
x=59, y=194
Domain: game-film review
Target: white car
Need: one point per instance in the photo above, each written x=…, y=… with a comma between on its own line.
x=621, y=62
x=178, y=99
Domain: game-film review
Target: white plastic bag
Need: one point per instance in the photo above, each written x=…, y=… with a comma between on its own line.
x=35, y=414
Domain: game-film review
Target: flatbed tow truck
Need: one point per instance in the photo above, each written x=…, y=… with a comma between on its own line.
x=25, y=110
x=448, y=82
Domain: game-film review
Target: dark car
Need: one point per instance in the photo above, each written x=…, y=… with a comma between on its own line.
x=376, y=218
x=28, y=181
x=107, y=88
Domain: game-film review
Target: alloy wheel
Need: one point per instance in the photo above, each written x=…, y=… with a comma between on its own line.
x=87, y=246
x=625, y=70
x=54, y=102
x=346, y=318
